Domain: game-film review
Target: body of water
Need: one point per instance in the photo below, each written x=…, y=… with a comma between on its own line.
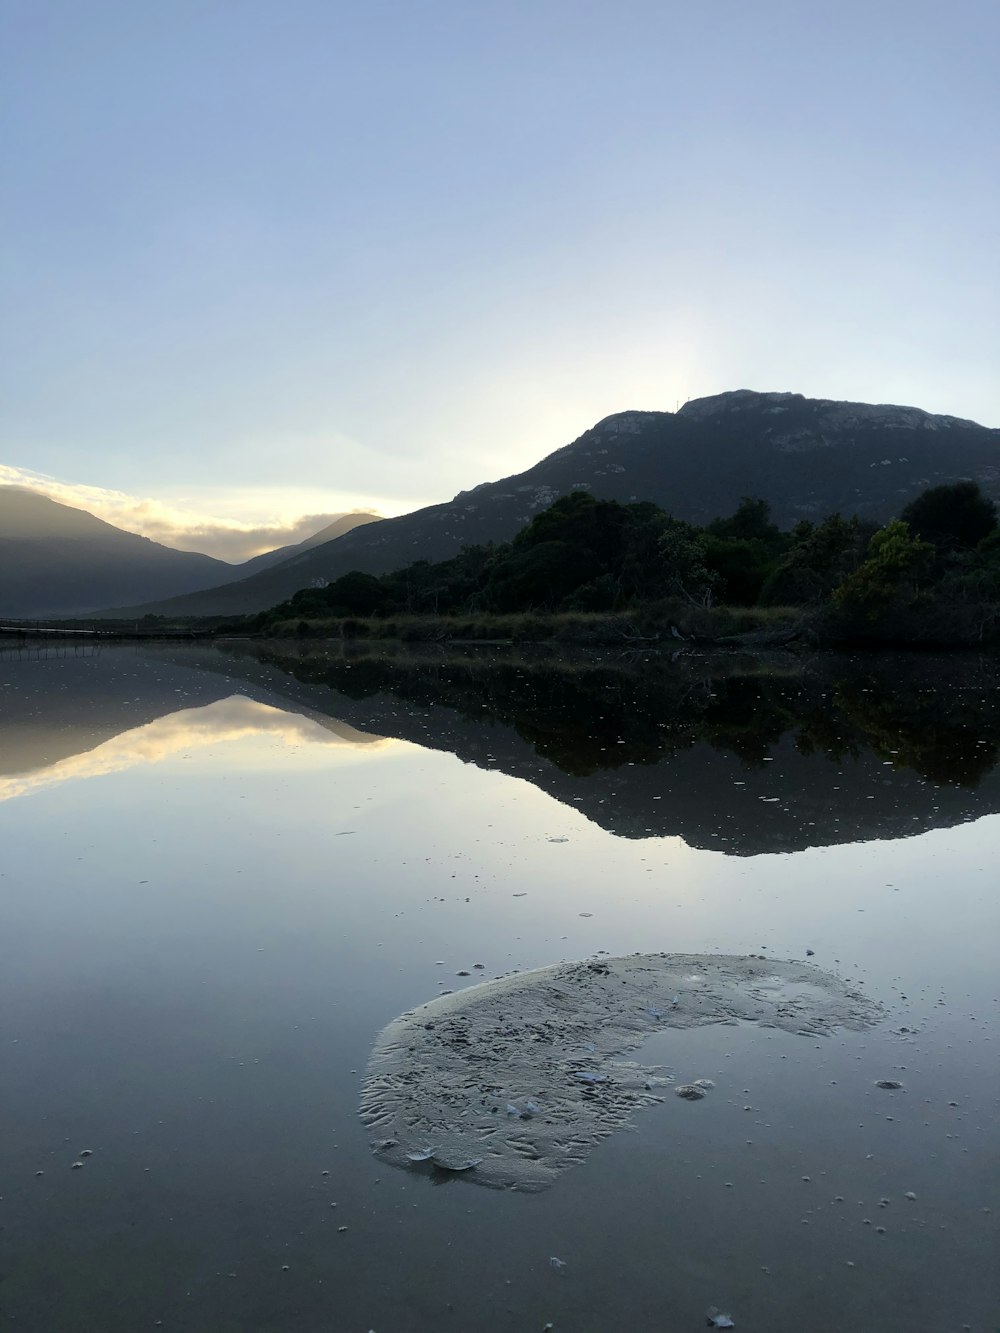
x=224, y=872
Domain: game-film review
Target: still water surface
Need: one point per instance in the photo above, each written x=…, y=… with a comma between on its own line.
x=223, y=873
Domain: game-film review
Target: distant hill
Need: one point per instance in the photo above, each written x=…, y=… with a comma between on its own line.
x=59, y=561
x=808, y=457
x=342, y=524
x=55, y=560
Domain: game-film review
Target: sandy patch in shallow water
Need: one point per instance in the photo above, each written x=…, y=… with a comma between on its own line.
x=523, y=1076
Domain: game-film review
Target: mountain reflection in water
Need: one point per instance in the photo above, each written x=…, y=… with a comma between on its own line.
x=737, y=754
x=189, y=729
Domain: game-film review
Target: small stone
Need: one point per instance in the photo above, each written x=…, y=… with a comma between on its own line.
x=690, y=1093
x=909, y=1195
x=890, y=1084
x=342, y=1228
x=77, y=1166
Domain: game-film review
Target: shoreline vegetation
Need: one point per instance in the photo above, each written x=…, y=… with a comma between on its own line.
x=591, y=572
x=588, y=571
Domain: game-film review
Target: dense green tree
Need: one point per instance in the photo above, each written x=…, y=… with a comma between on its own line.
x=603, y=593
x=355, y=594
x=740, y=565
x=974, y=576
x=743, y=550
x=585, y=554
x=750, y=523
x=952, y=518
x=820, y=557
x=684, y=565
x=578, y=520
x=540, y=576
x=895, y=563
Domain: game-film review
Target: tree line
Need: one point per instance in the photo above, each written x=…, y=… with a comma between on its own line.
x=582, y=554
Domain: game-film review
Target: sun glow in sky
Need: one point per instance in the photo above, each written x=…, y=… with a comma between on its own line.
x=272, y=261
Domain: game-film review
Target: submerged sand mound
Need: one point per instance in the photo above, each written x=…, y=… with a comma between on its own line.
x=514, y=1080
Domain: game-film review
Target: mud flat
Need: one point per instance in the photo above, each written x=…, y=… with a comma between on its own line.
x=512, y=1081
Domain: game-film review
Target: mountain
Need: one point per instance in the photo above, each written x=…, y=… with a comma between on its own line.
x=59, y=561
x=808, y=457
x=55, y=560
x=341, y=525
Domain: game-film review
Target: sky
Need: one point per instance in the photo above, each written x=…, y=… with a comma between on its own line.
x=267, y=261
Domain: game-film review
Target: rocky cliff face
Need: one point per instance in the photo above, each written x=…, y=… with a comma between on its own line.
x=807, y=457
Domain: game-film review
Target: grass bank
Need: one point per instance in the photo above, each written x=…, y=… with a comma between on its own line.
x=654, y=624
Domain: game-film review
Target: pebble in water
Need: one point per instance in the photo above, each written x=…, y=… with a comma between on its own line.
x=890, y=1084
x=716, y=1319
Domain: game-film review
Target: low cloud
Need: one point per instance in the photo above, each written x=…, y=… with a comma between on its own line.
x=184, y=528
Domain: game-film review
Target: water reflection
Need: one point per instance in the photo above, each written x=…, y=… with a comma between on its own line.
x=189, y=729
x=734, y=754
x=195, y=961
x=741, y=755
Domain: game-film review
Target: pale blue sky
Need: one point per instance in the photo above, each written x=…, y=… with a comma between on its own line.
x=265, y=259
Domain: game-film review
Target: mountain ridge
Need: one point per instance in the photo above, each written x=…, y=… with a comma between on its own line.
x=56, y=559
x=60, y=560
x=806, y=457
